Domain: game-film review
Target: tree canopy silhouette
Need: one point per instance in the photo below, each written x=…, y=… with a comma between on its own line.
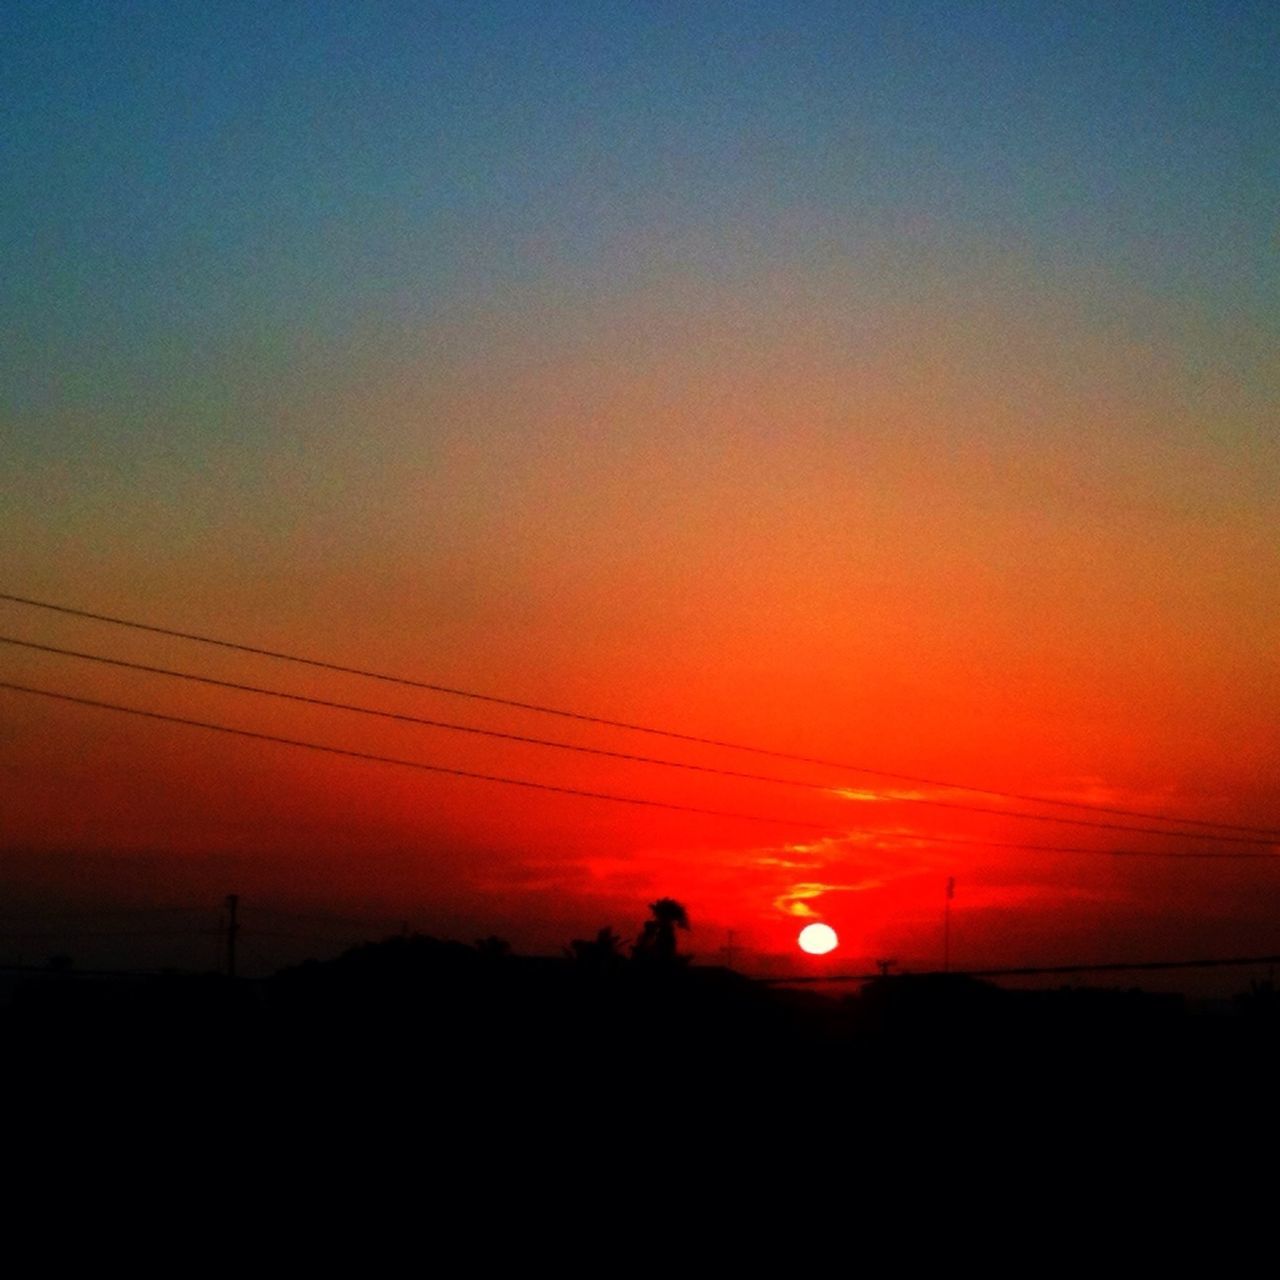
x=658, y=940
x=602, y=953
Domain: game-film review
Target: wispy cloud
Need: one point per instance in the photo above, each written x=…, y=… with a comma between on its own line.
x=877, y=795
x=795, y=901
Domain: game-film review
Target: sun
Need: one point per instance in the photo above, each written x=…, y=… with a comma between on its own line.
x=818, y=939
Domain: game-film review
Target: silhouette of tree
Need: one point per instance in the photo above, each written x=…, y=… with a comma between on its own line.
x=658, y=941
x=493, y=948
x=602, y=952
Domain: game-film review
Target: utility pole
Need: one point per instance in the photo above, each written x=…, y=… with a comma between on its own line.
x=233, y=928
x=946, y=925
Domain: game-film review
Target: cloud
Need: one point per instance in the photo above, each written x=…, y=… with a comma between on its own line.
x=795, y=901
x=871, y=795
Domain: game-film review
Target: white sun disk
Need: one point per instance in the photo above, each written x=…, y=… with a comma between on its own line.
x=818, y=939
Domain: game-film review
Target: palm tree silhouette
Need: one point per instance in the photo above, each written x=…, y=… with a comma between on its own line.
x=658, y=941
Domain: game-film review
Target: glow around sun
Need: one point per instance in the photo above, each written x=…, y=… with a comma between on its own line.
x=818, y=939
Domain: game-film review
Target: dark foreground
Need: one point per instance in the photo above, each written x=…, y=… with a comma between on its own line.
x=445, y=1007
x=531, y=1079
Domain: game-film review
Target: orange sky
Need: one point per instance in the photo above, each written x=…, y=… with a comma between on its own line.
x=991, y=542
x=894, y=385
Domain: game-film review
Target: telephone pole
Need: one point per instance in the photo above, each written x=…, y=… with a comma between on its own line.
x=946, y=925
x=233, y=928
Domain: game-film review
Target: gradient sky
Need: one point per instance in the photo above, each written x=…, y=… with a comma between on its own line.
x=888, y=383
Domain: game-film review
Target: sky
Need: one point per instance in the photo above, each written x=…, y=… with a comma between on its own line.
x=892, y=385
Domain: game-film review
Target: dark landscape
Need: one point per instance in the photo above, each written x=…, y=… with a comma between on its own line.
x=609, y=564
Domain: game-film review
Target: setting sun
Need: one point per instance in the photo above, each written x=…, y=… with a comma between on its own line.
x=818, y=939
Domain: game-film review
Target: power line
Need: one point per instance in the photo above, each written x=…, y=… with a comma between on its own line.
x=96, y=913
x=541, y=709
x=26, y=935
x=596, y=751
x=1028, y=971
x=657, y=804
x=1233, y=855
x=1091, y=823
x=413, y=764
x=419, y=720
x=328, y=918
x=619, y=755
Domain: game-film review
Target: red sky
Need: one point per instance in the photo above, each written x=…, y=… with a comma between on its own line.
x=890, y=389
